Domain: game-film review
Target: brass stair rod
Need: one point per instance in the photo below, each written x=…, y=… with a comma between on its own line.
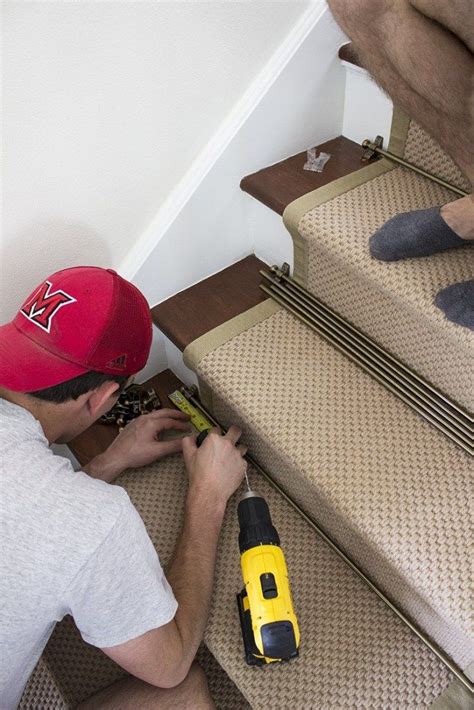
x=308, y=296
x=443, y=657
x=395, y=388
x=373, y=147
x=393, y=369
x=364, y=361
x=371, y=345
x=352, y=341
x=387, y=384
x=375, y=362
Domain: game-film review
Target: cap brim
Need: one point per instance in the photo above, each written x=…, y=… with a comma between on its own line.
x=27, y=367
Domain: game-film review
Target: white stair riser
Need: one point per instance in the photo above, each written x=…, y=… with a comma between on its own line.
x=367, y=109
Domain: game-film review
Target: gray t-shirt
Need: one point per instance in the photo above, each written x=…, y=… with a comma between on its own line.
x=69, y=545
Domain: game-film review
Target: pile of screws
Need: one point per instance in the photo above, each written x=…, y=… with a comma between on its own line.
x=132, y=403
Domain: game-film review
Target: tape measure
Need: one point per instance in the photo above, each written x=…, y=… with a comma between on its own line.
x=198, y=420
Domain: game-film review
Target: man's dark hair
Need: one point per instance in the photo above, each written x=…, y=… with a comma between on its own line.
x=72, y=389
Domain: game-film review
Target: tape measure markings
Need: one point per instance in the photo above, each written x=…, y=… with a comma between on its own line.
x=198, y=420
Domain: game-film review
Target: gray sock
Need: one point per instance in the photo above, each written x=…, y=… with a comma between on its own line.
x=410, y=234
x=457, y=302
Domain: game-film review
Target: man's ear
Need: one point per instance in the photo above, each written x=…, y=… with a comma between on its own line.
x=100, y=401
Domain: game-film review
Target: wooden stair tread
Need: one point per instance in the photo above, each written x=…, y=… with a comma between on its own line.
x=348, y=54
x=278, y=185
x=209, y=303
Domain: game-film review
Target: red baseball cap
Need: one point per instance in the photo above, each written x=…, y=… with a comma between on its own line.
x=80, y=319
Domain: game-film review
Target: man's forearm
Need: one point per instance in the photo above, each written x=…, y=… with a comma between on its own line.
x=191, y=571
x=103, y=467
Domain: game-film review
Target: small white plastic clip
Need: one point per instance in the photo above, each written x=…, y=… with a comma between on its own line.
x=315, y=164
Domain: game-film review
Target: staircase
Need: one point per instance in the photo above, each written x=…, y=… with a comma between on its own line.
x=389, y=488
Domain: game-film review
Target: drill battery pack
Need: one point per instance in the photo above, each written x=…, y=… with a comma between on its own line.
x=279, y=637
x=269, y=624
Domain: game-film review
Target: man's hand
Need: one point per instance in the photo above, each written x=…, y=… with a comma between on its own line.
x=217, y=468
x=215, y=471
x=140, y=443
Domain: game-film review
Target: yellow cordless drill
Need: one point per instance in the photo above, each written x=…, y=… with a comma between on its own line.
x=269, y=625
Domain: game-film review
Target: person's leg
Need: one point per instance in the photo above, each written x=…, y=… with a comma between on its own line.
x=421, y=63
x=133, y=694
x=420, y=52
x=456, y=15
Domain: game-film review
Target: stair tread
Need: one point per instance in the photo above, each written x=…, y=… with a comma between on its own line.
x=354, y=651
x=381, y=480
x=280, y=184
x=209, y=303
x=391, y=302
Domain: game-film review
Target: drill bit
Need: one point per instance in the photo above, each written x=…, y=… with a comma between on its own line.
x=247, y=481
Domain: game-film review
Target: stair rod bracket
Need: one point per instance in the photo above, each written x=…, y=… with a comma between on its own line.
x=280, y=272
x=372, y=148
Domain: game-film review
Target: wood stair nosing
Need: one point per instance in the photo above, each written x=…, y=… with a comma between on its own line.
x=198, y=309
x=280, y=184
x=211, y=302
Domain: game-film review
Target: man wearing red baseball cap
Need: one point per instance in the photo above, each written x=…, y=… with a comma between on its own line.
x=71, y=543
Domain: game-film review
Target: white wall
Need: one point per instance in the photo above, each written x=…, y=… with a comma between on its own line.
x=106, y=104
x=295, y=102
x=207, y=222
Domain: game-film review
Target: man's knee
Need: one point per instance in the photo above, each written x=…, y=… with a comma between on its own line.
x=131, y=693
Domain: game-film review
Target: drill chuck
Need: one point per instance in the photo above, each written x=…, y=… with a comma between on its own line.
x=255, y=523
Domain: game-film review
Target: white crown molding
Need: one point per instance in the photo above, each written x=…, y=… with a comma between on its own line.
x=201, y=166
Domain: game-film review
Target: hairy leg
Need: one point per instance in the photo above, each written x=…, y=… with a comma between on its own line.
x=456, y=15
x=420, y=52
x=421, y=63
x=133, y=694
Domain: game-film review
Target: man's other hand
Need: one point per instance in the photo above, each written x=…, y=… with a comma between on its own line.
x=140, y=443
x=217, y=468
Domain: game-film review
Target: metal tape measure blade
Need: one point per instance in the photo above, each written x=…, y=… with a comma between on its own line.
x=198, y=420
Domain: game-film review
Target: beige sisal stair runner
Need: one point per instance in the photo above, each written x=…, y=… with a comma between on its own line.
x=354, y=652
x=386, y=485
x=390, y=302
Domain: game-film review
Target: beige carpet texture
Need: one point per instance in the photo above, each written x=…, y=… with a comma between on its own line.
x=354, y=652
x=390, y=302
x=384, y=483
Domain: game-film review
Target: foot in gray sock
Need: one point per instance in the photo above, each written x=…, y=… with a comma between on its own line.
x=457, y=302
x=411, y=234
